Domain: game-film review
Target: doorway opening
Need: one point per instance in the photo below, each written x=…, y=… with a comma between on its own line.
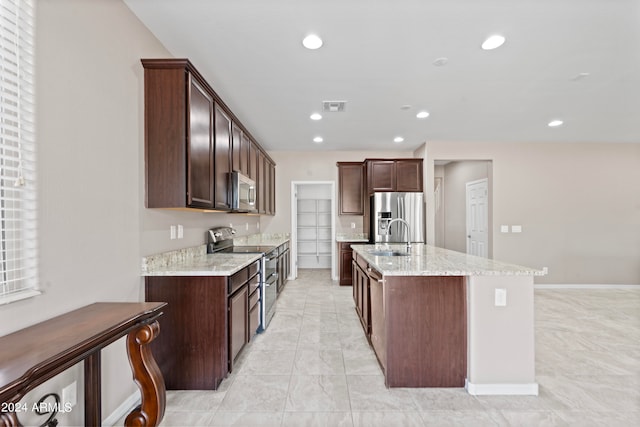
x=451, y=211
x=313, y=225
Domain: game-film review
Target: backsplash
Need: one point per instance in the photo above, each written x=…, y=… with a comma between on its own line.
x=164, y=259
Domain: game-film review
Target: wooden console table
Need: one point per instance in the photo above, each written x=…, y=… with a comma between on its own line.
x=31, y=356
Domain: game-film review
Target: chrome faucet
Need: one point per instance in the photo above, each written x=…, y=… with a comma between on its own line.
x=408, y=230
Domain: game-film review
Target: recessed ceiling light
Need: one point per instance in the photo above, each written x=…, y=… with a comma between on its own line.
x=578, y=77
x=422, y=114
x=398, y=139
x=315, y=116
x=493, y=42
x=440, y=62
x=318, y=139
x=312, y=42
x=555, y=123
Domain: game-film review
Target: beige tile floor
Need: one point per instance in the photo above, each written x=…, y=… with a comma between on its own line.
x=313, y=367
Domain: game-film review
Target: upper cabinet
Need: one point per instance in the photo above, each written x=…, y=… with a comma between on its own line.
x=394, y=175
x=409, y=175
x=222, y=159
x=193, y=141
x=351, y=188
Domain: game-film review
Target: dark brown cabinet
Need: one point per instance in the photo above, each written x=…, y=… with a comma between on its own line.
x=238, y=322
x=222, y=159
x=345, y=259
x=351, y=188
x=394, y=175
x=361, y=292
x=381, y=175
x=193, y=141
x=178, y=137
x=205, y=325
x=409, y=175
x=283, y=266
x=378, y=330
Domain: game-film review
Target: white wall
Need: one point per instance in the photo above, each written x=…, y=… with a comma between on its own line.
x=578, y=205
x=93, y=227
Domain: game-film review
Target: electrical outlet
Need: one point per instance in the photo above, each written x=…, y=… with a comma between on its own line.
x=353, y=225
x=504, y=228
x=545, y=270
x=246, y=226
x=500, y=297
x=258, y=226
x=180, y=231
x=70, y=395
x=172, y=232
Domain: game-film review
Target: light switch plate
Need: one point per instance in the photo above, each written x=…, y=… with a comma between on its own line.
x=516, y=229
x=501, y=297
x=172, y=232
x=504, y=228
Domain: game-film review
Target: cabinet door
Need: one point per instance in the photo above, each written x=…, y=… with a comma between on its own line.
x=260, y=182
x=351, y=188
x=253, y=161
x=381, y=175
x=409, y=175
x=346, y=257
x=238, y=316
x=244, y=153
x=378, y=326
x=272, y=188
x=223, y=159
x=236, y=147
x=200, y=147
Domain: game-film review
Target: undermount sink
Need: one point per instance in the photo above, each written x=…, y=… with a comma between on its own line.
x=389, y=253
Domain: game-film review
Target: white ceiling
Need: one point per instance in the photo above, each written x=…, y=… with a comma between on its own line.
x=378, y=56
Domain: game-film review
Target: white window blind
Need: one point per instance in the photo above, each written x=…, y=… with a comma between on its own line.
x=18, y=255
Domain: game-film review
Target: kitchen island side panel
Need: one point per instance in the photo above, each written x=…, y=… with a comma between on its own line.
x=501, y=338
x=426, y=336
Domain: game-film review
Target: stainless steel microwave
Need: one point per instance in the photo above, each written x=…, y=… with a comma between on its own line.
x=243, y=193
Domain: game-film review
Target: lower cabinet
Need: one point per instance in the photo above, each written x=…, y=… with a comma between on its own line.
x=238, y=322
x=361, y=292
x=378, y=335
x=205, y=326
x=345, y=259
x=284, y=264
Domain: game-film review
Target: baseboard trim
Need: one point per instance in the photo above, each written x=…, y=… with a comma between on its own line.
x=578, y=286
x=501, y=389
x=122, y=410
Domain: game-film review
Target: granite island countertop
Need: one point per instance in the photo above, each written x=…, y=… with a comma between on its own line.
x=427, y=260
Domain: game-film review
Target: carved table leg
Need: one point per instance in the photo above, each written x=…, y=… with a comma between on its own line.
x=147, y=376
x=9, y=419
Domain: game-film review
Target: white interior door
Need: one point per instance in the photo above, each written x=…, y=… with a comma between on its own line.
x=478, y=217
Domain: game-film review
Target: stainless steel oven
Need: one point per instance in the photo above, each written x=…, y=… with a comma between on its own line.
x=270, y=269
x=220, y=239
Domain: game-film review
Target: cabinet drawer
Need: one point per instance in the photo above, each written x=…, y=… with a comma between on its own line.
x=238, y=279
x=254, y=268
x=362, y=263
x=254, y=320
x=253, y=299
x=254, y=284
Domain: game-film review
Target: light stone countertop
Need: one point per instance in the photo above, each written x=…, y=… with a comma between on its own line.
x=205, y=265
x=195, y=261
x=351, y=237
x=426, y=260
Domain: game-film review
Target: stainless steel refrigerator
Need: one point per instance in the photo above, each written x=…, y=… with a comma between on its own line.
x=388, y=206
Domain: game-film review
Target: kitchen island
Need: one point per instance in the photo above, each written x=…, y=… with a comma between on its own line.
x=440, y=318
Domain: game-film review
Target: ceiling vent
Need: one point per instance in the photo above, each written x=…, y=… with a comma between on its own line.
x=333, y=106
